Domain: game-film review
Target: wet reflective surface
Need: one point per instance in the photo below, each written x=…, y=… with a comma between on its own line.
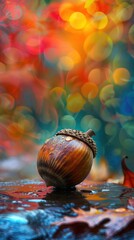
x=28, y=208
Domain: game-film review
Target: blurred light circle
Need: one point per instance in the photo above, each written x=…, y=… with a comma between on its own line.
x=77, y=20
x=85, y=122
x=89, y=122
x=89, y=90
x=106, y=93
x=57, y=92
x=88, y=3
x=98, y=75
x=7, y=101
x=75, y=55
x=26, y=124
x=98, y=46
x=110, y=129
x=123, y=12
x=21, y=111
x=73, y=82
x=116, y=62
x=95, y=124
x=75, y=102
x=128, y=144
x=100, y=20
x=65, y=10
x=51, y=54
x=121, y=76
x=116, y=32
x=33, y=44
x=131, y=34
x=107, y=115
x=68, y=121
x=13, y=55
x=32, y=39
x=70, y=60
x=117, y=151
x=126, y=136
x=129, y=128
x=42, y=136
x=112, y=102
x=66, y=63
x=91, y=7
x=14, y=12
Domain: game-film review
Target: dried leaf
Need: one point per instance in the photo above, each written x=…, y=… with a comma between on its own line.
x=118, y=219
x=128, y=174
x=131, y=203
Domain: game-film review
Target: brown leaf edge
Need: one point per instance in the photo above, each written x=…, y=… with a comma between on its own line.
x=118, y=219
x=128, y=174
x=131, y=203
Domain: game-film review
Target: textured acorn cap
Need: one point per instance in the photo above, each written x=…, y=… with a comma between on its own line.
x=83, y=136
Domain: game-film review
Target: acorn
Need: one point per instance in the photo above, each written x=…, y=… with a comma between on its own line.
x=66, y=159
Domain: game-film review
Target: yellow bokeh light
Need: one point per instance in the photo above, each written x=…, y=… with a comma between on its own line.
x=98, y=46
x=99, y=20
x=98, y=75
x=92, y=8
x=77, y=20
x=57, y=92
x=66, y=63
x=106, y=93
x=122, y=12
x=89, y=90
x=75, y=102
x=75, y=56
x=88, y=3
x=65, y=11
x=121, y=76
x=116, y=32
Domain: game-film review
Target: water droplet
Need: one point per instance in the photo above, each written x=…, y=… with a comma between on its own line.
x=68, y=139
x=105, y=190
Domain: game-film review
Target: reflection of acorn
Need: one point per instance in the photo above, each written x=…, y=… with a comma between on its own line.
x=66, y=159
x=65, y=199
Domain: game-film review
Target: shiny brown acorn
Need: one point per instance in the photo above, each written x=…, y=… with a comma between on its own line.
x=66, y=159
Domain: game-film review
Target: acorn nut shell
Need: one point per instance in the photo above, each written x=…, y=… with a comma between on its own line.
x=66, y=159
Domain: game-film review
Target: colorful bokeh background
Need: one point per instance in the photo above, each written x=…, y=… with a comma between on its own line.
x=66, y=64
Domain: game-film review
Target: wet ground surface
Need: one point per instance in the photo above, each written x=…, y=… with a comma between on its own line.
x=28, y=209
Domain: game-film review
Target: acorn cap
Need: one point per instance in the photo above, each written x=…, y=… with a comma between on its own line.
x=83, y=136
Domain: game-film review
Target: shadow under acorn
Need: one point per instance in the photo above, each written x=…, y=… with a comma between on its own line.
x=61, y=201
